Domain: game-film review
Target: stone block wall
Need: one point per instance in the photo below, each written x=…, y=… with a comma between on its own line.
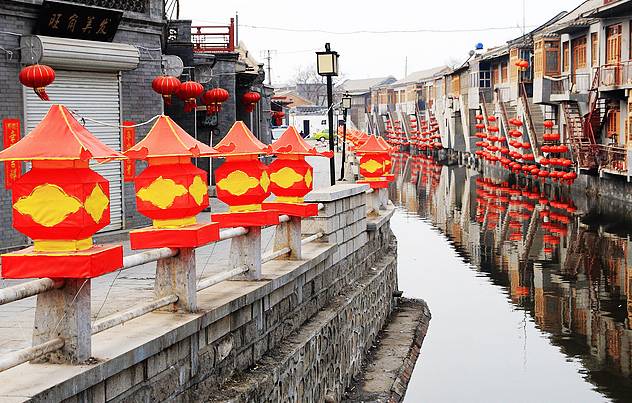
x=321, y=313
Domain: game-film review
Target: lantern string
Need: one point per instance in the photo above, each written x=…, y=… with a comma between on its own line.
x=71, y=303
x=118, y=272
x=84, y=118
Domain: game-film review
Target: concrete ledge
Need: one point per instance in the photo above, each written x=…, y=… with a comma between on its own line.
x=125, y=346
x=374, y=223
x=389, y=366
x=336, y=192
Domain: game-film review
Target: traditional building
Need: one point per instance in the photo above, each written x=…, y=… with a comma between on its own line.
x=360, y=91
x=105, y=58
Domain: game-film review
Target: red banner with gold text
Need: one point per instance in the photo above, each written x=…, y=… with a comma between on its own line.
x=11, y=135
x=129, y=140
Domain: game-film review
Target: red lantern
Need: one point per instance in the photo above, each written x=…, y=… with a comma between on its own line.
x=278, y=117
x=250, y=99
x=37, y=76
x=189, y=91
x=291, y=177
x=242, y=181
x=171, y=190
x=166, y=86
x=548, y=124
x=60, y=203
x=213, y=100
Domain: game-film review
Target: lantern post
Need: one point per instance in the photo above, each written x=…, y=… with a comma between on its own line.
x=60, y=203
x=327, y=66
x=291, y=178
x=243, y=183
x=172, y=191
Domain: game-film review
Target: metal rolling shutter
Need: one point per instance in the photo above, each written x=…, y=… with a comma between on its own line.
x=91, y=95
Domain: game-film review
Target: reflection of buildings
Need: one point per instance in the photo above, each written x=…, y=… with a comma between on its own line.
x=573, y=279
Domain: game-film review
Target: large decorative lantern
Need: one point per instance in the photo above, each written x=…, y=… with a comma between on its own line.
x=213, y=100
x=242, y=181
x=37, y=76
x=250, y=99
x=189, y=91
x=291, y=177
x=166, y=86
x=171, y=190
x=373, y=166
x=60, y=203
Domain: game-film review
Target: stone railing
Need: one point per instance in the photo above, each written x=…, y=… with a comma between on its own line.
x=338, y=272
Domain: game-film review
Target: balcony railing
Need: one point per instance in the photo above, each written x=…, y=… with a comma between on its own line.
x=613, y=158
x=614, y=75
x=214, y=38
x=571, y=83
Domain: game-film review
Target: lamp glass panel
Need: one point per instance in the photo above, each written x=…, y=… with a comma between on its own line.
x=325, y=64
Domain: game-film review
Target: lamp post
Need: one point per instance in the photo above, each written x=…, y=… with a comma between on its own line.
x=327, y=66
x=346, y=105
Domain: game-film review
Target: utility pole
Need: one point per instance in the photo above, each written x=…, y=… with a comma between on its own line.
x=268, y=56
x=406, y=67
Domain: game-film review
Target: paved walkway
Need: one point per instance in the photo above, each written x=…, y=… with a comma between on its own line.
x=122, y=289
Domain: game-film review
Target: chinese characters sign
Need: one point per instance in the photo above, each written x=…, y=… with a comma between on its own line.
x=78, y=22
x=129, y=140
x=12, y=169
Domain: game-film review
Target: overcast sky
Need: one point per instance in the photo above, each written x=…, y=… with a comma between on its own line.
x=364, y=55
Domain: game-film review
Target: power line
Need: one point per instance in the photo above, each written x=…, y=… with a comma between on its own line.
x=394, y=31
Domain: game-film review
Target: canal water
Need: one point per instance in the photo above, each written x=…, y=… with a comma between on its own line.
x=527, y=288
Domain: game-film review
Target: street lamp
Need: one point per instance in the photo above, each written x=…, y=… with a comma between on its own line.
x=327, y=65
x=346, y=105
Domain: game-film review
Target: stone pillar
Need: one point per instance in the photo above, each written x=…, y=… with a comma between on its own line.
x=377, y=201
x=288, y=235
x=245, y=251
x=65, y=313
x=176, y=275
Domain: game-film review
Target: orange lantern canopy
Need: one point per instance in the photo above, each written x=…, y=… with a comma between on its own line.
x=388, y=163
x=171, y=190
x=242, y=181
x=60, y=203
x=373, y=156
x=291, y=177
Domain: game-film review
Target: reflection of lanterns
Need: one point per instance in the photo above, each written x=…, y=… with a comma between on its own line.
x=60, y=203
x=189, y=91
x=291, y=177
x=171, y=190
x=213, y=100
x=37, y=76
x=373, y=162
x=250, y=99
x=166, y=86
x=242, y=181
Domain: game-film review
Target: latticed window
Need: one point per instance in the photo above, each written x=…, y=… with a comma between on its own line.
x=594, y=49
x=579, y=53
x=565, y=56
x=552, y=55
x=137, y=6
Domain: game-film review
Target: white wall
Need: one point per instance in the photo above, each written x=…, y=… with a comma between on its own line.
x=316, y=122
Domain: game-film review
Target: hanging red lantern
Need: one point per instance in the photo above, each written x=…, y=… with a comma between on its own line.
x=189, y=91
x=278, y=117
x=37, y=76
x=166, y=86
x=548, y=124
x=213, y=100
x=250, y=99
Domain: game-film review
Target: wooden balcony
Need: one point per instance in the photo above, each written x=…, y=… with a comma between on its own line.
x=214, y=38
x=613, y=159
x=570, y=87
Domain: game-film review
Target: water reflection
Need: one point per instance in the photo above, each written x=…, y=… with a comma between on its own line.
x=559, y=264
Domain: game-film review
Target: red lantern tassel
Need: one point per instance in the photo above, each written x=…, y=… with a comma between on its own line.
x=41, y=92
x=167, y=99
x=190, y=105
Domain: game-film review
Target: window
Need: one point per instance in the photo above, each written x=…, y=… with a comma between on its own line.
x=538, y=58
x=579, y=53
x=613, y=44
x=552, y=58
x=613, y=124
x=323, y=122
x=485, y=79
x=565, y=54
x=594, y=49
x=503, y=72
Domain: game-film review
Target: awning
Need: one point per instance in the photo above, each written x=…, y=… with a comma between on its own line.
x=77, y=54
